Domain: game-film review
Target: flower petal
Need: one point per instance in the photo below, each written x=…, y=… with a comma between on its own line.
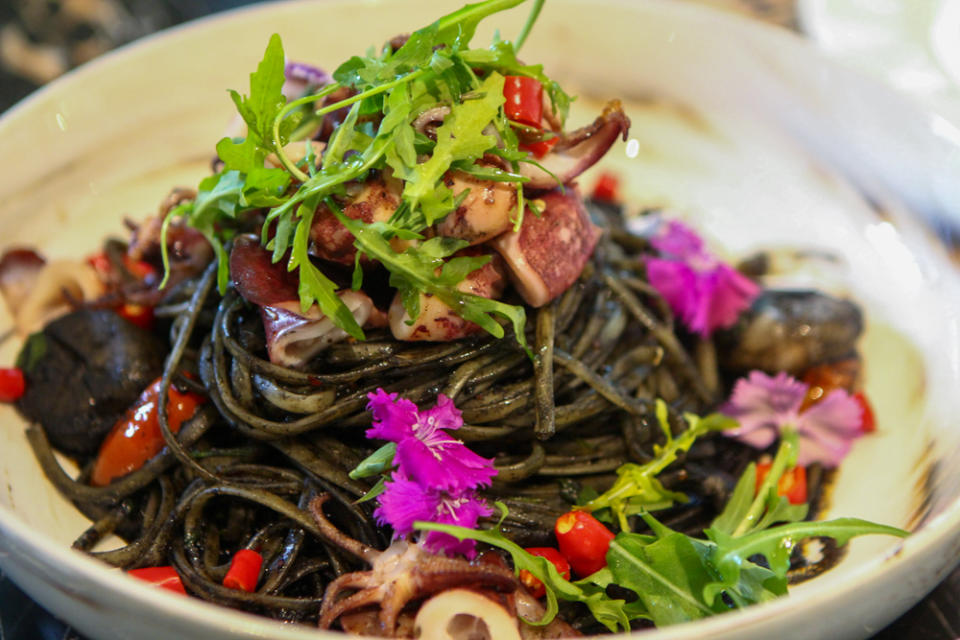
x=676, y=240
x=763, y=401
x=393, y=417
x=677, y=283
x=464, y=510
x=403, y=502
x=732, y=293
x=828, y=428
x=757, y=438
x=449, y=466
x=705, y=293
x=814, y=447
x=444, y=415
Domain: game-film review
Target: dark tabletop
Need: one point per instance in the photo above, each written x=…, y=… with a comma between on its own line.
x=41, y=39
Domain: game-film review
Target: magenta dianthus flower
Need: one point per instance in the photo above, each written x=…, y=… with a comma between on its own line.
x=436, y=475
x=425, y=450
x=764, y=405
x=705, y=293
x=405, y=501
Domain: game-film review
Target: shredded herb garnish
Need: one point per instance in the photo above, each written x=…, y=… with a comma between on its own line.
x=434, y=67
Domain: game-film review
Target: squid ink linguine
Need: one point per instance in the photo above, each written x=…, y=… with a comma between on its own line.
x=395, y=261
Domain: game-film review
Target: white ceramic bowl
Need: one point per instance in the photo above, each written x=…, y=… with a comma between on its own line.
x=743, y=129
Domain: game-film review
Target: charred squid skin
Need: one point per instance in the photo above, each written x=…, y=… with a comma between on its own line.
x=256, y=277
x=372, y=201
x=548, y=253
x=293, y=336
x=362, y=598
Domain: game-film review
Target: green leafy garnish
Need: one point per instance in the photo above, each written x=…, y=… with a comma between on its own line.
x=609, y=611
x=679, y=578
x=637, y=488
x=434, y=68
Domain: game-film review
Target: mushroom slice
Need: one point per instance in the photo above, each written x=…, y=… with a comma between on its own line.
x=459, y=614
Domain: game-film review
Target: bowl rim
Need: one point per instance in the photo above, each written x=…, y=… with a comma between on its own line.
x=207, y=615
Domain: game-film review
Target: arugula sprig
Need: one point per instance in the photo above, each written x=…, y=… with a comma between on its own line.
x=609, y=611
x=637, y=488
x=434, y=67
x=679, y=578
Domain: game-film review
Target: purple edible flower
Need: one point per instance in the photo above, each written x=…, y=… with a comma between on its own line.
x=764, y=405
x=306, y=73
x=425, y=450
x=436, y=475
x=705, y=293
x=405, y=501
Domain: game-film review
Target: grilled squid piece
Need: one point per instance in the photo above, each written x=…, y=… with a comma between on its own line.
x=550, y=250
x=372, y=201
x=485, y=212
x=296, y=152
x=37, y=291
x=577, y=151
x=293, y=337
x=437, y=321
x=460, y=614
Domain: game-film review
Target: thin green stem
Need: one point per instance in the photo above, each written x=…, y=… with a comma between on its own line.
x=363, y=95
x=477, y=12
x=290, y=106
x=528, y=26
x=786, y=455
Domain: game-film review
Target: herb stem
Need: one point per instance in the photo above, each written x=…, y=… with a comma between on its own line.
x=786, y=455
x=477, y=12
x=284, y=112
x=363, y=95
x=528, y=26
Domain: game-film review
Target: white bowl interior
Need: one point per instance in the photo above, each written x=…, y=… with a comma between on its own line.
x=741, y=129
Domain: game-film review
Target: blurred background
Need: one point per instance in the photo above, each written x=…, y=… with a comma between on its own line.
x=914, y=45
x=43, y=39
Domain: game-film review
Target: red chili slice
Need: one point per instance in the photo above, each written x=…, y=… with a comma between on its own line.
x=12, y=384
x=533, y=584
x=524, y=100
x=139, y=314
x=792, y=484
x=868, y=422
x=163, y=577
x=539, y=148
x=136, y=437
x=584, y=541
x=607, y=188
x=244, y=571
